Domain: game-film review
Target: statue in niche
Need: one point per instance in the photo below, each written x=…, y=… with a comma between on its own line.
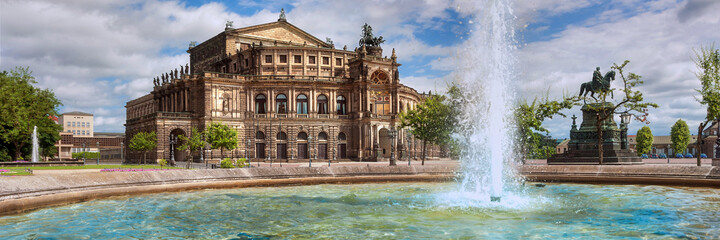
x=368, y=38
x=226, y=103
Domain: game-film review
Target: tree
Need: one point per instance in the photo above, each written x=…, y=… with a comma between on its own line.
x=221, y=136
x=644, y=140
x=143, y=142
x=23, y=106
x=192, y=143
x=430, y=122
x=680, y=136
x=632, y=102
x=529, y=118
x=708, y=63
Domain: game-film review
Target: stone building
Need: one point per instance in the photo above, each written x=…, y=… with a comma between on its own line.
x=289, y=95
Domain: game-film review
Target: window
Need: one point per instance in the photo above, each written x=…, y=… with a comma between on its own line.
x=322, y=103
x=298, y=58
x=311, y=59
x=302, y=136
x=281, y=103
x=268, y=59
x=73, y=124
x=322, y=136
x=382, y=108
x=259, y=135
x=283, y=58
x=326, y=60
x=260, y=103
x=341, y=105
x=281, y=136
x=69, y=124
x=302, y=104
x=342, y=136
x=338, y=61
x=246, y=61
x=234, y=66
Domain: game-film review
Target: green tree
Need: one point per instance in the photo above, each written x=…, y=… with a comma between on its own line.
x=632, y=102
x=644, y=140
x=430, y=122
x=680, y=136
x=23, y=106
x=529, y=118
x=221, y=136
x=143, y=142
x=192, y=143
x=708, y=63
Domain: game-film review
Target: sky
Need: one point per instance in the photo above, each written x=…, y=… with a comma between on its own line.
x=97, y=55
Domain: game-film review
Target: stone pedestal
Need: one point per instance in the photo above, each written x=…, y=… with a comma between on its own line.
x=583, y=145
x=716, y=161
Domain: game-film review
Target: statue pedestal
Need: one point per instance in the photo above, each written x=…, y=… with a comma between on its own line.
x=583, y=145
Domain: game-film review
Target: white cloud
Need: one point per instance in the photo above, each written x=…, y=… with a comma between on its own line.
x=659, y=44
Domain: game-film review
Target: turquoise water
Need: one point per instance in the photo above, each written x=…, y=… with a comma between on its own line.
x=383, y=211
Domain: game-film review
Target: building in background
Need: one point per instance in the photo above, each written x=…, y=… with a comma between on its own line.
x=78, y=135
x=288, y=94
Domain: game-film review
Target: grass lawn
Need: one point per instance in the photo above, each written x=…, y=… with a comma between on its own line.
x=17, y=172
x=89, y=167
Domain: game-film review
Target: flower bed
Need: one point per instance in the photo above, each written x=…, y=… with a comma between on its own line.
x=135, y=169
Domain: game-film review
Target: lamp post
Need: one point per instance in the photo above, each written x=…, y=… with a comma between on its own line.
x=247, y=152
x=407, y=145
x=98, y=156
x=83, y=149
x=392, y=135
x=122, y=153
x=310, y=150
x=207, y=147
x=625, y=118
x=173, y=141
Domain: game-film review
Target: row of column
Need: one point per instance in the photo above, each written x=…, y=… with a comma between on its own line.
x=177, y=101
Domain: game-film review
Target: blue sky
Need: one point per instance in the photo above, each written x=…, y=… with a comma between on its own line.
x=98, y=55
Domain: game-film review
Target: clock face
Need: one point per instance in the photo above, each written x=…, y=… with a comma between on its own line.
x=379, y=77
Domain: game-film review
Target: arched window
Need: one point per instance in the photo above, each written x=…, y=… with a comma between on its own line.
x=322, y=103
x=259, y=135
x=260, y=103
x=341, y=105
x=281, y=136
x=281, y=103
x=302, y=136
x=302, y=104
x=322, y=136
x=342, y=136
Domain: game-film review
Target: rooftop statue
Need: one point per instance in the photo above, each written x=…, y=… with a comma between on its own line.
x=598, y=84
x=368, y=38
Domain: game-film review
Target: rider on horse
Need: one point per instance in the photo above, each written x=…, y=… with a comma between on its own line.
x=597, y=78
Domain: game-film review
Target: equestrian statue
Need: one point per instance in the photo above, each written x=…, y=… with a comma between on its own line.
x=598, y=84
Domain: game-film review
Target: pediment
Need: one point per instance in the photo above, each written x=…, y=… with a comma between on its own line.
x=280, y=31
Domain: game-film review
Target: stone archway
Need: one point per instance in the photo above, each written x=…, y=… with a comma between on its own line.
x=384, y=142
x=180, y=155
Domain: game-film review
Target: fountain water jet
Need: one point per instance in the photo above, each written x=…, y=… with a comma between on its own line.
x=487, y=68
x=35, y=146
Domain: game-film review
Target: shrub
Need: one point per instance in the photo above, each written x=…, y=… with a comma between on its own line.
x=162, y=162
x=226, y=163
x=241, y=163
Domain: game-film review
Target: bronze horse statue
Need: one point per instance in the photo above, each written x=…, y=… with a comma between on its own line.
x=593, y=86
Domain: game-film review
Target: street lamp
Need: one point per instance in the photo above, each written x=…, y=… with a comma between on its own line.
x=122, y=153
x=407, y=145
x=98, y=156
x=625, y=119
x=173, y=141
x=310, y=150
x=392, y=135
x=247, y=152
x=83, y=149
x=207, y=147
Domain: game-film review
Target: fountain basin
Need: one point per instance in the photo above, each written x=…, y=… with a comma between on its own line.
x=383, y=211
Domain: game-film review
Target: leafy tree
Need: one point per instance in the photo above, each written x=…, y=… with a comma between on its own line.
x=430, y=122
x=529, y=118
x=632, y=102
x=221, y=136
x=23, y=106
x=144, y=142
x=192, y=143
x=708, y=63
x=680, y=136
x=87, y=155
x=644, y=140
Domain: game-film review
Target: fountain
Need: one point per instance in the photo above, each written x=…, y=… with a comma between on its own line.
x=35, y=146
x=487, y=65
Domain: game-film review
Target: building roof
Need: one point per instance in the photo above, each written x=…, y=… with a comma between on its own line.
x=288, y=30
x=108, y=134
x=564, y=143
x=77, y=113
